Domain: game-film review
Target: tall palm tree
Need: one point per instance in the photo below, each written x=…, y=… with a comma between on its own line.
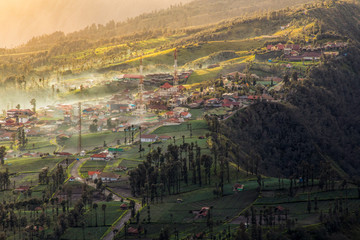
x=125, y=135
x=2, y=154
x=103, y=207
x=95, y=206
x=33, y=103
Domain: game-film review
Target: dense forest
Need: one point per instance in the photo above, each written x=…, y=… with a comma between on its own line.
x=318, y=124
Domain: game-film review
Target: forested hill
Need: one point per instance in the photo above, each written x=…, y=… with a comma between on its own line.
x=316, y=132
x=195, y=13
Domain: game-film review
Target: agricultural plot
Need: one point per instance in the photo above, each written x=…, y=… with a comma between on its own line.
x=91, y=140
x=92, y=165
x=91, y=231
x=183, y=215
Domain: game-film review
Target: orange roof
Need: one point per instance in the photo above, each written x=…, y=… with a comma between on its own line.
x=166, y=85
x=101, y=155
x=90, y=173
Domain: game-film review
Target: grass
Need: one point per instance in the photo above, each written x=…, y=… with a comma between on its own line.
x=92, y=165
x=92, y=140
x=30, y=165
x=169, y=213
x=197, y=114
x=195, y=125
x=112, y=213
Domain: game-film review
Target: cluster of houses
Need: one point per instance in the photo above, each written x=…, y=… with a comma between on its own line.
x=295, y=52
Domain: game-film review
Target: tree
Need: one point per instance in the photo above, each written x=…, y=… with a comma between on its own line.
x=95, y=206
x=93, y=127
x=33, y=103
x=286, y=79
x=103, y=207
x=109, y=123
x=2, y=154
x=294, y=76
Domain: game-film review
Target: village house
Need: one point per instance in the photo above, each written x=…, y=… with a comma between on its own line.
x=148, y=138
x=22, y=189
x=13, y=113
x=121, y=168
x=93, y=174
x=185, y=115
x=164, y=138
x=213, y=102
x=62, y=154
x=232, y=76
x=7, y=136
x=167, y=90
x=100, y=156
x=230, y=103
x=108, y=177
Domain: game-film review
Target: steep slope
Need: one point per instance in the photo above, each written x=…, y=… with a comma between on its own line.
x=319, y=124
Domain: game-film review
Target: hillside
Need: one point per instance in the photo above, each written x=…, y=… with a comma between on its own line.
x=195, y=13
x=317, y=127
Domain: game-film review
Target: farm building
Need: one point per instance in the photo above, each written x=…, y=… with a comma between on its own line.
x=108, y=177
x=149, y=138
x=93, y=174
x=100, y=156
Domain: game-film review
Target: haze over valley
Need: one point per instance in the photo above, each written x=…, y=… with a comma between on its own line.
x=203, y=119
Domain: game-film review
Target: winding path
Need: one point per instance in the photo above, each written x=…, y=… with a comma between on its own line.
x=75, y=173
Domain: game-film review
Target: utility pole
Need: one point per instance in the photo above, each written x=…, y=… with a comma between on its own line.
x=141, y=108
x=175, y=68
x=79, y=140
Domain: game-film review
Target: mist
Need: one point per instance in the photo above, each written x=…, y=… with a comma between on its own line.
x=20, y=20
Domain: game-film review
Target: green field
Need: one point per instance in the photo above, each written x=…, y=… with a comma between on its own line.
x=92, y=165
x=112, y=213
x=91, y=140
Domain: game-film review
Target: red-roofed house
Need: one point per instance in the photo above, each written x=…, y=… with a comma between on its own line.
x=280, y=46
x=269, y=47
x=22, y=189
x=100, y=156
x=170, y=114
x=167, y=89
x=185, y=115
x=166, y=86
x=253, y=97
x=93, y=174
x=164, y=138
x=230, y=104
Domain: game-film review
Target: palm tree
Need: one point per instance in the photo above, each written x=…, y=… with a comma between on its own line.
x=125, y=135
x=103, y=207
x=95, y=206
x=33, y=103
x=2, y=154
x=132, y=133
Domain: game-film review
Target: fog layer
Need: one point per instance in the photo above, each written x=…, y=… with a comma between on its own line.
x=20, y=20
